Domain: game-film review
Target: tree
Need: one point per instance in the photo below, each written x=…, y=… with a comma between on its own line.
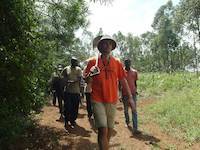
x=121, y=45
x=188, y=23
x=167, y=39
x=18, y=88
x=63, y=18
x=149, y=60
x=28, y=44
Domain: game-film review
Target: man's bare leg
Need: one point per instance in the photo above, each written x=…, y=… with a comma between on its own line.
x=103, y=138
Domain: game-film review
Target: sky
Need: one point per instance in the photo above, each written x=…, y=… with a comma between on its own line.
x=127, y=16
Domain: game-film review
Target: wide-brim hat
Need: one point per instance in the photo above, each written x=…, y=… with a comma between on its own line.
x=104, y=38
x=96, y=41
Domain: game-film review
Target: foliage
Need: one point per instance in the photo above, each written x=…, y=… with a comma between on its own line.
x=19, y=82
x=166, y=40
x=27, y=55
x=37, y=35
x=187, y=22
x=165, y=48
x=59, y=23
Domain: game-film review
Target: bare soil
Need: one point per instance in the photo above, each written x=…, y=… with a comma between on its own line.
x=51, y=135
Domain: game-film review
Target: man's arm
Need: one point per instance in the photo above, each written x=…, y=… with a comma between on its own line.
x=136, y=87
x=136, y=82
x=130, y=98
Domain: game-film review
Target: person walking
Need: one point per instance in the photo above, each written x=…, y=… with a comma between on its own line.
x=57, y=89
x=72, y=75
x=104, y=73
x=131, y=77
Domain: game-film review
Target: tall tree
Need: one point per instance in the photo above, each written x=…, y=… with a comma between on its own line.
x=149, y=60
x=121, y=45
x=62, y=18
x=188, y=23
x=167, y=39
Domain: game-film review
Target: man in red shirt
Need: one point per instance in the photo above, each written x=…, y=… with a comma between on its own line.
x=131, y=77
x=104, y=77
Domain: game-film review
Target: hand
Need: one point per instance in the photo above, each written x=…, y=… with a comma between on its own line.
x=94, y=70
x=132, y=104
x=88, y=79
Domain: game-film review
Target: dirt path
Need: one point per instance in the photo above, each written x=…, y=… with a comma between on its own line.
x=50, y=134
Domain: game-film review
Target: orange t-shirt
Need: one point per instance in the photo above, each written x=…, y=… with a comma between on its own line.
x=105, y=84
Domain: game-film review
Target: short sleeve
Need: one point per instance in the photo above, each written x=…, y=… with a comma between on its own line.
x=87, y=69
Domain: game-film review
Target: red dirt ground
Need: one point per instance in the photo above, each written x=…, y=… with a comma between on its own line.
x=51, y=135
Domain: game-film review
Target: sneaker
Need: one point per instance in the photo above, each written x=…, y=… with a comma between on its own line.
x=72, y=126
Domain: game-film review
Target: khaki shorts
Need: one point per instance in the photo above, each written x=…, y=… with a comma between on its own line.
x=104, y=114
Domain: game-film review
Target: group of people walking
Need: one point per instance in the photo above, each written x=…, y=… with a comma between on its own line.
x=104, y=76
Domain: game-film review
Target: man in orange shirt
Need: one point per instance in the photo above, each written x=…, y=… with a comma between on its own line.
x=131, y=77
x=104, y=77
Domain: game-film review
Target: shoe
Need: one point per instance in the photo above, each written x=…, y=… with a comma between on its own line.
x=90, y=117
x=66, y=128
x=127, y=125
x=61, y=117
x=66, y=124
x=72, y=126
x=136, y=132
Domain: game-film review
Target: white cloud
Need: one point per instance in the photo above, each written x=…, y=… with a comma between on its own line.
x=134, y=16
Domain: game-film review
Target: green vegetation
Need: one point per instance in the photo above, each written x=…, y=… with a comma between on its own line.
x=31, y=44
x=177, y=108
x=37, y=35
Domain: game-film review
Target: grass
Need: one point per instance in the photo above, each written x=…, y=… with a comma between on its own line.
x=178, y=105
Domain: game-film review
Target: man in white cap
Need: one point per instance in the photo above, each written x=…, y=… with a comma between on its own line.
x=72, y=75
x=104, y=77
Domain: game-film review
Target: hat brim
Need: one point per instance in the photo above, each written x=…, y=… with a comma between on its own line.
x=96, y=41
x=105, y=39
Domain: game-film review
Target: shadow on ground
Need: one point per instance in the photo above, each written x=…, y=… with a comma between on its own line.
x=80, y=144
x=144, y=137
x=48, y=138
x=39, y=137
x=78, y=131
